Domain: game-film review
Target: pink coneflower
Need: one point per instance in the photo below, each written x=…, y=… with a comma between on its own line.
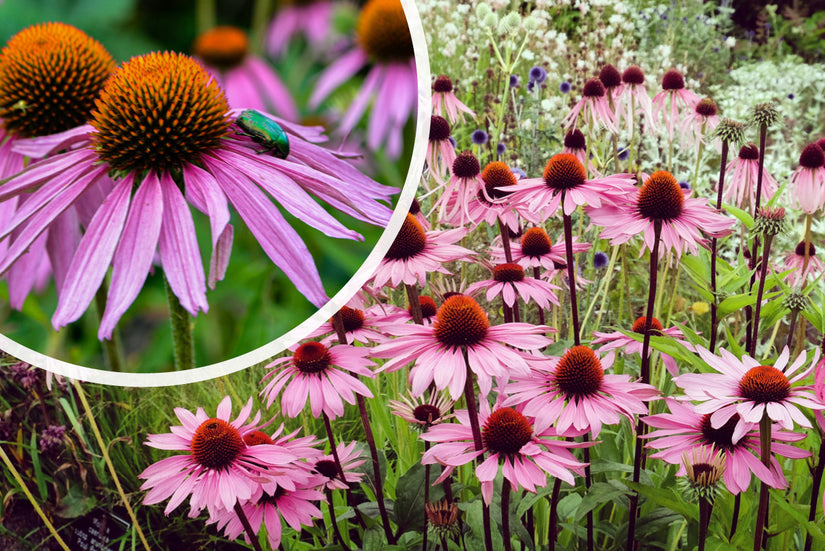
x=320, y=374
x=415, y=253
x=50, y=76
x=795, y=260
x=443, y=95
x=312, y=19
x=247, y=80
x=440, y=151
x=493, y=200
x=536, y=250
x=415, y=210
x=751, y=390
x=701, y=122
x=563, y=184
x=808, y=180
x=682, y=100
x=423, y=413
x=220, y=469
x=510, y=282
x=438, y=349
x=660, y=200
x=296, y=507
x=634, y=99
x=383, y=37
x=684, y=429
x=617, y=339
x=574, y=391
x=593, y=107
x=526, y=456
x=576, y=144
x=362, y=325
x=152, y=159
x=350, y=457
x=741, y=175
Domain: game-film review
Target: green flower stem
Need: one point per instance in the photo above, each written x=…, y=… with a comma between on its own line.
x=714, y=321
x=183, y=341
x=30, y=497
x=764, y=489
x=630, y=159
x=604, y=286
x=250, y=533
x=332, y=519
x=104, y=451
x=205, y=15
x=260, y=19
x=112, y=347
x=698, y=160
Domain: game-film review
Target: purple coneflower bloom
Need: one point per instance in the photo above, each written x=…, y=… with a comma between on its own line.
x=660, y=200
x=312, y=19
x=617, y=339
x=437, y=350
x=247, y=80
x=574, y=391
x=682, y=100
x=384, y=37
x=684, y=429
x=526, y=456
x=118, y=175
x=701, y=122
x=576, y=144
x=361, y=325
x=440, y=152
x=350, y=457
x=536, y=250
x=593, y=108
x=741, y=175
x=445, y=102
x=795, y=260
x=808, y=180
x=50, y=76
x=219, y=468
x=492, y=202
x=423, y=413
x=510, y=282
x=323, y=375
x=746, y=388
x=464, y=186
x=632, y=99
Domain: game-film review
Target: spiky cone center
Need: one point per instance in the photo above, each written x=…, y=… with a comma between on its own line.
x=769, y=221
x=730, y=131
x=410, y=240
x=563, y=171
x=579, y=373
x=216, y=444
x=706, y=108
x=257, y=438
x=466, y=165
x=721, y=437
x=633, y=75
x=327, y=468
x=764, y=384
x=158, y=111
x=443, y=84
x=383, y=31
x=428, y=306
x=460, y=322
x=311, y=357
x=535, y=242
x=506, y=431
x=749, y=152
x=352, y=318
x=812, y=156
x=765, y=114
x=50, y=75
x=443, y=519
x=223, y=47
x=426, y=414
x=610, y=77
x=673, y=80
x=439, y=129
x=661, y=197
x=496, y=175
x=796, y=302
x=574, y=139
x=655, y=326
x=593, y=88
x=508, y=273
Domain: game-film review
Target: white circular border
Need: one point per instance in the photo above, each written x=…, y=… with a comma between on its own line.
x=422, y=130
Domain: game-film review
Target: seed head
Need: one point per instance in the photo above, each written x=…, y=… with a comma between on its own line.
x=796, y=302
x=730, y=131
x=764, y=114
x=769, y=221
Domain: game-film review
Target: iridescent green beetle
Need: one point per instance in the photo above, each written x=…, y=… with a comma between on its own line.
x=264, y=131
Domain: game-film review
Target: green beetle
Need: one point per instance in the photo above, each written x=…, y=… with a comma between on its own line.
x=264, y=131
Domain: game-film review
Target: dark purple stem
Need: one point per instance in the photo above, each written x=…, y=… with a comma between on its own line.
x=750, y=334
x=571, y=273
x=737, y=503
x=505, y=240
x=820, y=466
x=714, y=321
x=415, y=303
x=764, y=492
x=763, y=275
x=505, y=514
x=705, y=511
x=587, y=483
x=552, y=529
x=336, y=531
x=537, y=275
x=253, y=537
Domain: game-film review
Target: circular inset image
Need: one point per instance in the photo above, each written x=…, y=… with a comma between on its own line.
x=172, y=199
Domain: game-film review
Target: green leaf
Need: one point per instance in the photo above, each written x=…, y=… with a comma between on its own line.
x=38, y=472
x=408, y=512
x=740, y=215
x=474, y=539
x=74, y=504
x=800, y=517
x=667, y=497
x=600, y=493
x=737, y=302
